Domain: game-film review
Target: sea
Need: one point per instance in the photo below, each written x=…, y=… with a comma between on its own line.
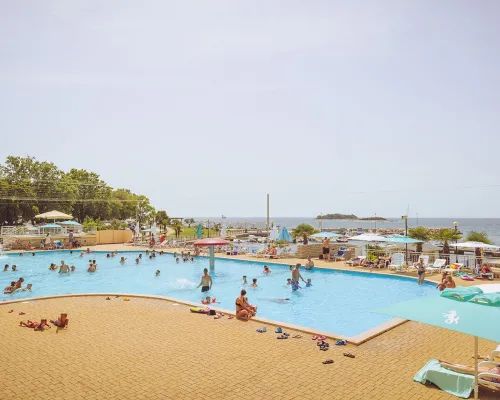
x=491, y=226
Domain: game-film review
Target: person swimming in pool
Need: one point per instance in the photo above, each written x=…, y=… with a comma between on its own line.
x=254, y=282
x=64, y=268
x=10, y=289
x=157, y=273
x=245, y=280
x=53, y=267
x=309, y=283
x=122, y=260
x=266, y=271
x=140, y=256
x=72, y=268
x=177, y=260
x=137, y=260
x=14, y=268
x=288, y=281
x=6, y=268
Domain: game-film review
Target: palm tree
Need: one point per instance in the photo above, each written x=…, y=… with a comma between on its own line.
x=446, y=235
x=177, y=226
x=217, y=228
x=420, y=233
x=482, y=237
x=189, y=221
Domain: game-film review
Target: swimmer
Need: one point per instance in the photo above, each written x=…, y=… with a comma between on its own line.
x=147, y=252
x=62, y=321
x=6, y=268
x=161, y=252
x=150, y=257
x=91, y=268
x=290, y=267
x=122, y=260
x=177, y=260
x=266, y=270
x=19, y=283
x=140, y=256
x=283, y=300
x=108, y=255
x=14, y=268
x=137, y=260
x=245, y=280
x=64, y=268
x=254, y=282
x=288, y=281
x=33, y=254
x=10, y=289
x=95, y=264
x=192, y=259
x=53, y=267
x=157, y=272
x=88, y=250
x=175, y=254
x=309, y=284
x=81, y=254
x=209, y=300
x=27, y=288
x=72, y=268
x=20, y=254
x=296, y=274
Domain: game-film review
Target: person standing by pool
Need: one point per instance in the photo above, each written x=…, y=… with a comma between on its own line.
x=326, y=249
x=296, y=274
x=48, y=241
x=206, y=281
x=420, y=270
x=71, y=239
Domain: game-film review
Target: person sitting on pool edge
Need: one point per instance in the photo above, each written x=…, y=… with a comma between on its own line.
x=244, y=310
x=254, y=282
x=309, y=264
x=62, y=321
x=266, y=271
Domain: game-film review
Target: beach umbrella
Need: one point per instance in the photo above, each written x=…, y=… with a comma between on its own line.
x=464, y=309
x=74, y=223
x=54, y=215
x=274, y=233
x=368, y=237
x=223, y=231
x=137, y=231
x=51, y=226
x=211, y=242
x=284, y=235
x=199, y=231
x=324, y=235
x=474, y=245
x=402, y=239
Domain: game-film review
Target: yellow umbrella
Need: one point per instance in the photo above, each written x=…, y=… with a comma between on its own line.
x=54, y=215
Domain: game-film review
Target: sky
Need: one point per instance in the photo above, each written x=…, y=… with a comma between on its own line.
x=206, y=106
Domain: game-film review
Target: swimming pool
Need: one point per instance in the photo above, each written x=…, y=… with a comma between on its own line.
x=339, y=302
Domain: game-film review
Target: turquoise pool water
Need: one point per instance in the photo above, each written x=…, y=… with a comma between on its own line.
x=338, y=302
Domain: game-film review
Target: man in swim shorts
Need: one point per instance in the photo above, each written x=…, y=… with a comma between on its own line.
x=326, y=249
x=71, y=239
x=296, y=274
x=206, y=281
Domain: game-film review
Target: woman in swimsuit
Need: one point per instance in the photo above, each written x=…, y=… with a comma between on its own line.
x=244, y=310
x=421, y=271
x=450, y=283
x=62, y=322
x=465, y=369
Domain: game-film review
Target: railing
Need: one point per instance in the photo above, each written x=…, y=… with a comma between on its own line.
x=39, y=231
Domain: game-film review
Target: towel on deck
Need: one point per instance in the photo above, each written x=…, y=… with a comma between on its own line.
x=460, y=385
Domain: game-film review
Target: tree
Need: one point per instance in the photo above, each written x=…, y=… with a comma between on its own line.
x=474, y=236
x=217, y=228
x=304, y=231
x=177, y=227
x=420, y=233
x=189, y=221
x=446, y=235
x=162, y=219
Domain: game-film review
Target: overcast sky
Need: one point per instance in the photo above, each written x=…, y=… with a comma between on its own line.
x=205, y=106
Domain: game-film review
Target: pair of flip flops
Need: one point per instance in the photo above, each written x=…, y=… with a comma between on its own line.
x=262, y=330
x=318, y=337
x=341, y=342
x=328, y=362
x=323, y=346
x=350, y=355
x=283, y=336
x=297, y=336
x=278, y=330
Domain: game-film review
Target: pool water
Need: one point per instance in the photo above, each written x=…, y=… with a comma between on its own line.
x=338, y=302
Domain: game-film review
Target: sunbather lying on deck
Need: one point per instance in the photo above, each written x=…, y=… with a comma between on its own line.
x=469, y=370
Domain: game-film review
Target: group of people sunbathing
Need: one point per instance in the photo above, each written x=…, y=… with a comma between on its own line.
x=61, y=322
x=271, y=251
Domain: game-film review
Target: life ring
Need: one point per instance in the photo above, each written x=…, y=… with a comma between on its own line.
x=467, y=278
x=200, y=310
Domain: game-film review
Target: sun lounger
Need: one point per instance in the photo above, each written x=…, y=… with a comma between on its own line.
x=397, y=262
x=340, y=254
x=495, y=353
x=438, y=265
x=485, y=378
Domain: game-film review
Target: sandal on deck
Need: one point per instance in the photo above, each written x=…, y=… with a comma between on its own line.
x=297, y=336
x=262, y=330
x=282, y=337
x=349, y=355
x=278, y=330
x=328, y=362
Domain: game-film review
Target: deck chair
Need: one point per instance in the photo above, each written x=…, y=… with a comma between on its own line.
x=495, y=353
x=340, y=254
x=490, y=375
x=481, y=275
x=439, y=264
x=397, y=262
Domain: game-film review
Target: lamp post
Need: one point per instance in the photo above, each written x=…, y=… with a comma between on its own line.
x=455, y=224
x=405, y=217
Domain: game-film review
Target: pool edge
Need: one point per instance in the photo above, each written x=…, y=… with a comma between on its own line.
x=356, y=340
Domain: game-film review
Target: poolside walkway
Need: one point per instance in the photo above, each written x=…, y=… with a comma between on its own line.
x=155, y=349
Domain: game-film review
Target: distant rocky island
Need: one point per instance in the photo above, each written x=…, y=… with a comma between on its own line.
x=349, y=217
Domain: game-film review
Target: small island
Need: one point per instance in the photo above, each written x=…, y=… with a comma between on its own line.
x=349, y=217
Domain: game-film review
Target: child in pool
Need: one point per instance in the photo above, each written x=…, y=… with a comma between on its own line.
x=254, y=282
x=288, y=282
x=245, y=280
x=157, y=272
x=266, y=270
x=209, y=300
x=308, y=283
